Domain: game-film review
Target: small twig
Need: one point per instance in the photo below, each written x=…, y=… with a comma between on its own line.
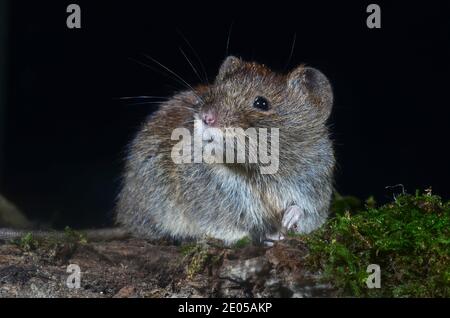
x=396, y=186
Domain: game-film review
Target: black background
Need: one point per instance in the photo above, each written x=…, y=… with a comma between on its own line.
x=65, y=131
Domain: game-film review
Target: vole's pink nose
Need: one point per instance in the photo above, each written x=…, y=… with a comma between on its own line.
x=209, y=118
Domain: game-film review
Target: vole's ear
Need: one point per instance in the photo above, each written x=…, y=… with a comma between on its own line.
x=228, y=66
x=315, y=86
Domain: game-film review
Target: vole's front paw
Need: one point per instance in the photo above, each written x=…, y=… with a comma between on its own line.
x=292, y=218
x=272, y=238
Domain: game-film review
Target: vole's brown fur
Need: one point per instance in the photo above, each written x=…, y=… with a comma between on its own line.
x=228, y=201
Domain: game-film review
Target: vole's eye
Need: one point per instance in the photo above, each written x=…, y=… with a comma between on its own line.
x=261, y=103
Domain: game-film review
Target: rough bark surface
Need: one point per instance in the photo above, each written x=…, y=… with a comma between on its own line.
x=137, y=268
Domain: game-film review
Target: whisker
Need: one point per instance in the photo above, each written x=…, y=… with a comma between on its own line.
x=192, y=66
x=140, y=97
x=162, y=101
x=291, y=53
x=228, y=38
x=145, y=103
x=172, y=72
x=202, y=66
x=156, y=70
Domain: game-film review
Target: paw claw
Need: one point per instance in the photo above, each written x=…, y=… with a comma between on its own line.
x=291, y=218
x=272, y=238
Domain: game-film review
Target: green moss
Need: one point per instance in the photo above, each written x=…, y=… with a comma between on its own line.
x=27, y=242
x=200, y=256
x=54, y=240
x=243, y=242
x=198, y=263
x=73, y=236
x=188, y=249
x=409, y=239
